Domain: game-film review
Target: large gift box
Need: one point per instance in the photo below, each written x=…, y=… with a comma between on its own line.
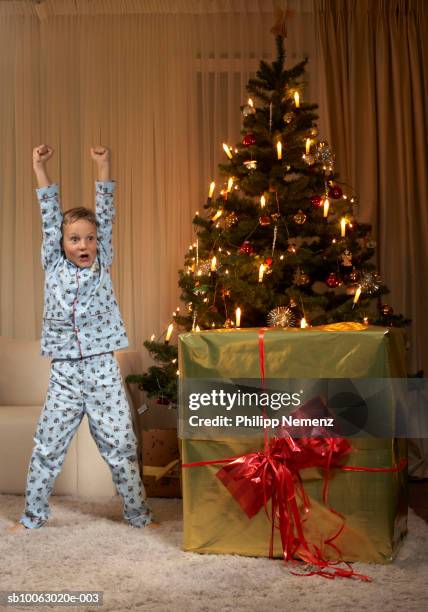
x=365, y=518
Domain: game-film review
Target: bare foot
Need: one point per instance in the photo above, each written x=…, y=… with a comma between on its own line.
x=153, y=525
x=16, y=528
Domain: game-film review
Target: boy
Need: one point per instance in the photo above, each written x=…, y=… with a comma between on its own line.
x=81, y=328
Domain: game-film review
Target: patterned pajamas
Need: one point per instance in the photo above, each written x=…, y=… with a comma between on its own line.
x=91, y=385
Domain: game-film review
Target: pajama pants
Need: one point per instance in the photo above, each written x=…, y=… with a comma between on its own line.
x=92, y=386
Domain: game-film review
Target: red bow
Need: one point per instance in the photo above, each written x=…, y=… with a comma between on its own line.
x=274, y=474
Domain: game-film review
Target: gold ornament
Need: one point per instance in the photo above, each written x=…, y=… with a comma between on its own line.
x=204, y=266
x=250, y=164
x=248, y=110
x=282, y=316
x=370, y=283
x=288, y=117
x=230, y=219
x=280, y=26
x=386, y=310
x=346, y=258
x=299, y=217
x=292, y=303
x=324, y=154
x=301, y=278
x=354, y=276
x=228, y=323
x=309, y=158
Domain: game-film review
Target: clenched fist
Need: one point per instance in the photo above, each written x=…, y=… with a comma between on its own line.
x=100, y=154
x=41, y=154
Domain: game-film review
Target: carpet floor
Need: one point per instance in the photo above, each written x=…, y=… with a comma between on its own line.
x=86, y=546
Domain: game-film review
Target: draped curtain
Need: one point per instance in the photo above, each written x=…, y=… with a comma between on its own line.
x=161, y=83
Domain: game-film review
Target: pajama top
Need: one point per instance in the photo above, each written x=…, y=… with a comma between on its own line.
x=81, y=316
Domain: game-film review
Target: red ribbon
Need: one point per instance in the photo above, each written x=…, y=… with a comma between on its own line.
x=274, y=474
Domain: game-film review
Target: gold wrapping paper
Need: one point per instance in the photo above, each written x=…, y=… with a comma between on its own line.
x=374, y=504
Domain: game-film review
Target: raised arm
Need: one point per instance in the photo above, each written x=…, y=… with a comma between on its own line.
x=104, y=204
x=48, y=196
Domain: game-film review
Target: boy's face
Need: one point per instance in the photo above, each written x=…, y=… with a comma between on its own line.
x=80, y=243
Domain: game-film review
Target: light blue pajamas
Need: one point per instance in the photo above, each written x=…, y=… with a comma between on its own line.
x=91, y=386
x=82, y=326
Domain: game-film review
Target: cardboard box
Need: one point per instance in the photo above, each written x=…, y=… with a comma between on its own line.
x=161, y=463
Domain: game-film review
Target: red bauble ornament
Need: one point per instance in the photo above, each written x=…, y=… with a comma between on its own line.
x=333, y=280
x=316, y=200
x=246, y=248
x=268, y=261
x=265, y=220
x=249, y=139
x=335, y=192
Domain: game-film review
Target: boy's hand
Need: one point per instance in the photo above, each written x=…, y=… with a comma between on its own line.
x=100, y=154
x=41, y=154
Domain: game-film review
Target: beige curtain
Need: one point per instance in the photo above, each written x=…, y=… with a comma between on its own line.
x=374, y=56
x=161, y=82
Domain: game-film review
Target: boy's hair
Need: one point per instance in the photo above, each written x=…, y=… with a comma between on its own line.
x=74, y=214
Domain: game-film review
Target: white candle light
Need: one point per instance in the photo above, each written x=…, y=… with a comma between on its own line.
x=308, y=146
x=343, y=227
x=217, y=215
x=211, y=190
x=303, y=323
x=326, y=206
x=279, y=149
x=227, y=151
x=238, y=317
x=229, y=184
x=262, y=269
x=262, y=201
x=169, y=332
x=297, y=99
x=213, y=264
x=357, y=295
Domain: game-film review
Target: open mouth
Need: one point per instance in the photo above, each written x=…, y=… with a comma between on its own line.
x=84, y=257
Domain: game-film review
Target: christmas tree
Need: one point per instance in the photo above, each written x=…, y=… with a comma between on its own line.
x=279, y=244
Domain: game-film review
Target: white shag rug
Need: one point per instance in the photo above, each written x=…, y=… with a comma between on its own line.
x=86, y=546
